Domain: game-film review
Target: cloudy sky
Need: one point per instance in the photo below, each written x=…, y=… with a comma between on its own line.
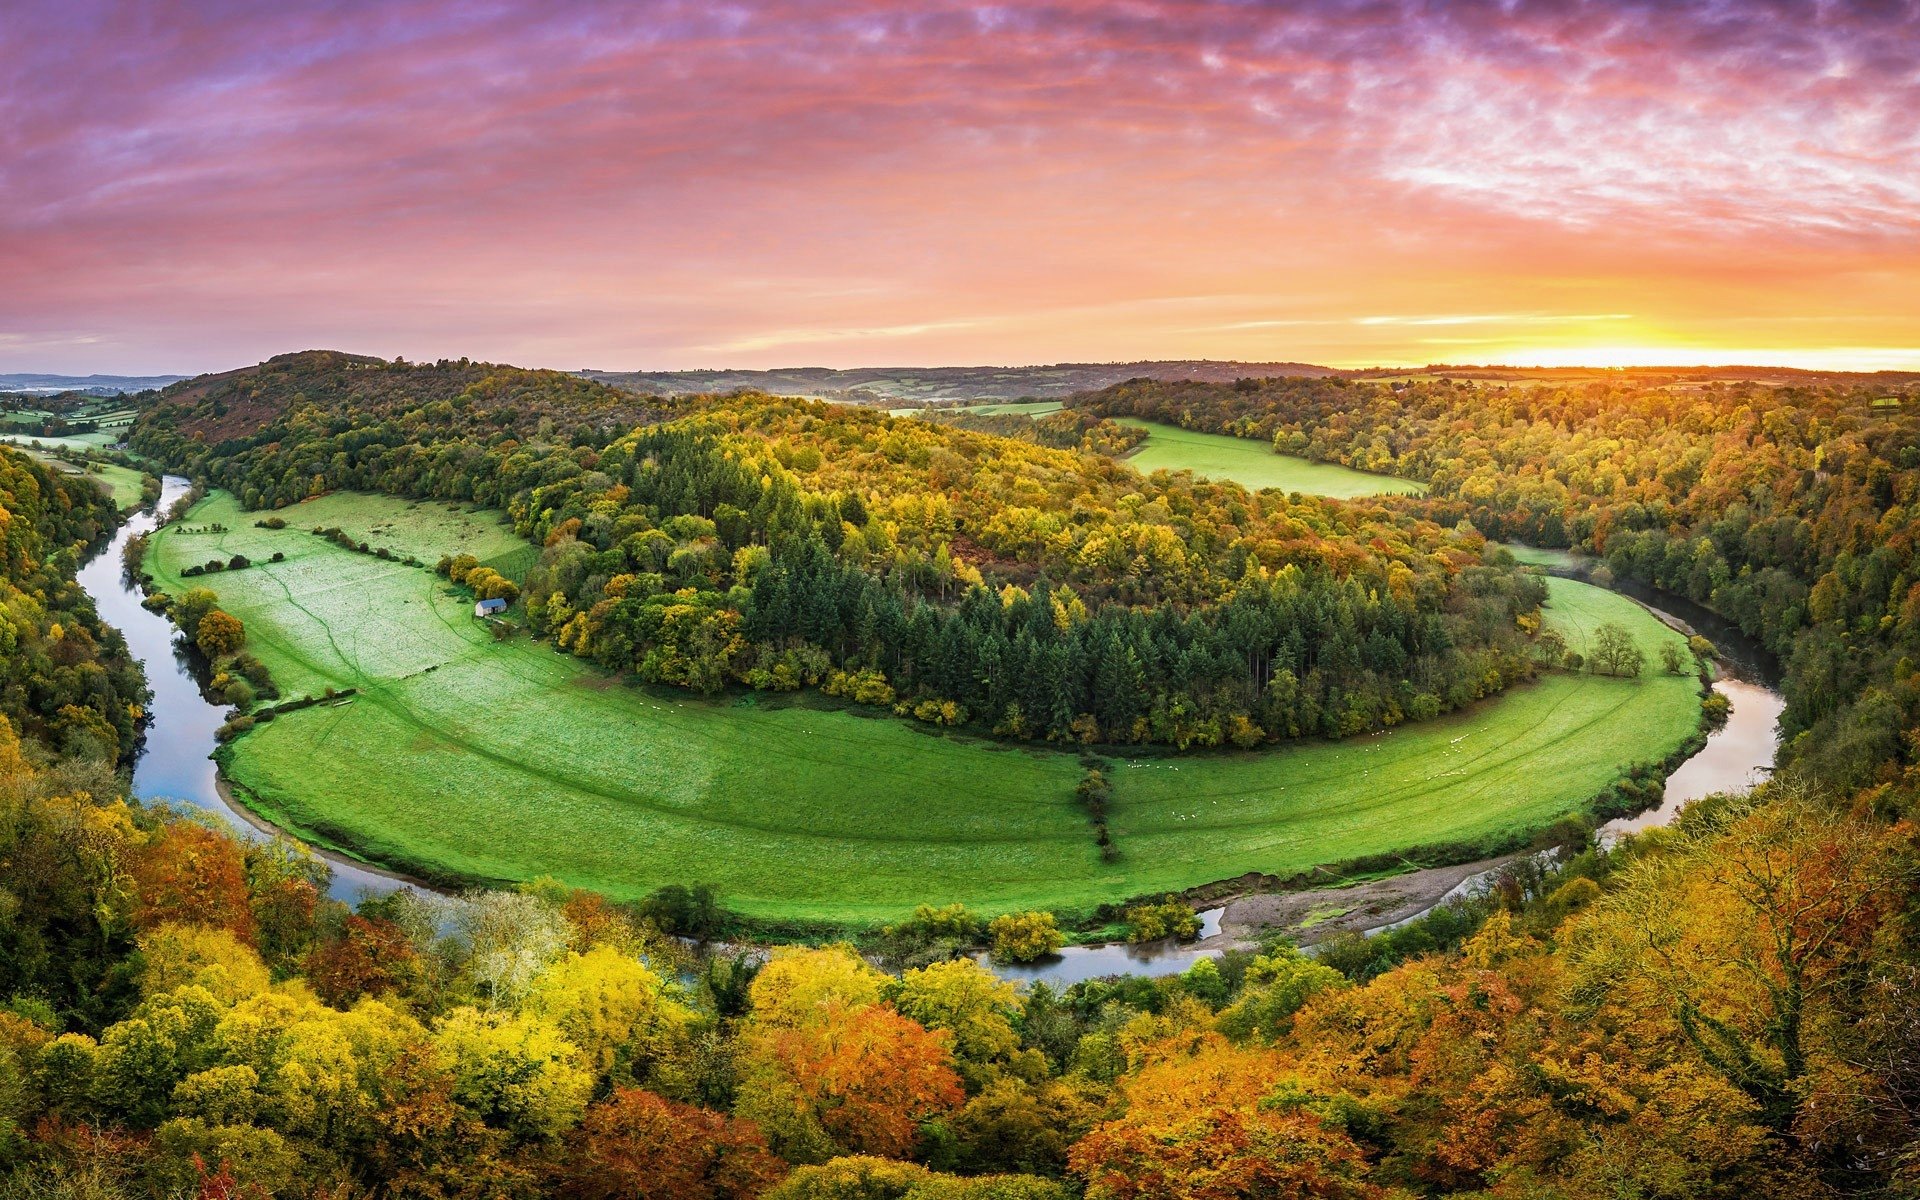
x=188, y=186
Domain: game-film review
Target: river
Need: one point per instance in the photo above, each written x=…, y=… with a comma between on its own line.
x=175, y=764
x=1735, y=757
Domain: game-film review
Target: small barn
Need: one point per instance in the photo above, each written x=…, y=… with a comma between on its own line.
x=489, y=608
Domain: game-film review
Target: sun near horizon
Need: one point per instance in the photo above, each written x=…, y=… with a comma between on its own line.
x=660, y=186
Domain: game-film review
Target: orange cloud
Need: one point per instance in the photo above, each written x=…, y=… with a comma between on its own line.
x=193, y=185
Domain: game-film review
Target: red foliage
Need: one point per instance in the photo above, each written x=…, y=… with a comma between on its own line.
x=371, y=955
x=639, y=1146
x=195, y=876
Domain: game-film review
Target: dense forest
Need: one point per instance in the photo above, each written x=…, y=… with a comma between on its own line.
x=1788, y=510
x=66, y=681
x=1721, y=1008
x=961, y=577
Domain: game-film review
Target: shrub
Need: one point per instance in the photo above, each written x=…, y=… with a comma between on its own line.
x=1168, y=919
x=219, y=633
x=931, y=935
x=1025, y=936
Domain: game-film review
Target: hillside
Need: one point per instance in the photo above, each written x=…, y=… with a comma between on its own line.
x=940, y=385
x=351, y=390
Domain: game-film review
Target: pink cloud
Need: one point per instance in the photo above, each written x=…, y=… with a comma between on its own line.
x=195, y=184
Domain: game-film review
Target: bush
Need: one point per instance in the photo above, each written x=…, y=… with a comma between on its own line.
x=1169, y=919
x=233, y=729
x=1024, y=937
x=931, y=935
x=272, y=523
x=219, y=633
x=693, y=912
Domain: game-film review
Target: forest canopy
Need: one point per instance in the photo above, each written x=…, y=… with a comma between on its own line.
x=960, y=577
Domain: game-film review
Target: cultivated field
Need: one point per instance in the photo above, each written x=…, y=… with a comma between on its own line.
x=463, y=756
x=1253, y=464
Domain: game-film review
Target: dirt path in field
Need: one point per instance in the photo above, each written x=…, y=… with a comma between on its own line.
x=1314, y=916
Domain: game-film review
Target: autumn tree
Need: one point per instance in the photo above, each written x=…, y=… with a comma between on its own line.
x=613, y=1008
x=515, y=1072
x=370, y=956
x=190, y=874
x=1216, y=1121
x=969, y=1002
x=1025, y=936
x=640, y=1146
x=1752, y=933
x=798, y=983
x=219, y=634
x=845, y=1080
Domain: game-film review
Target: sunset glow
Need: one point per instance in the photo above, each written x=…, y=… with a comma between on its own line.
x=194, y=186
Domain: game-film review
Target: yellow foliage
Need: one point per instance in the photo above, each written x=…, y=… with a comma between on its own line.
x=175, y=955
x=799, y=983
x=604, y=1000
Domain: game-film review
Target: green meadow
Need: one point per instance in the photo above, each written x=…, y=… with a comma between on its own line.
x=76, y=441
x=1253, y=464
x=1031, y=408
x=122, y=483
x=463, y=757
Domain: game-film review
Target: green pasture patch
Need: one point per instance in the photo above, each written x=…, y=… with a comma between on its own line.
x=1036, y=408
x=1537, y=556
x=1253, y=464
x=74, y=441
x=465, y=757
x=122, y=483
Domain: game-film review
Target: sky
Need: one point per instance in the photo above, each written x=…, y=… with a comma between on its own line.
x=190, y=186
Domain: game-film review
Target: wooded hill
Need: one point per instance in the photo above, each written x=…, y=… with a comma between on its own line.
x=782, y=543
x=1722, y=1009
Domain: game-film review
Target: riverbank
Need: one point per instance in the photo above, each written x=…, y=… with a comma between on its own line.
x=175, y=765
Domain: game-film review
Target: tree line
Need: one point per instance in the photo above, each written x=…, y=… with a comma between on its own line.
x=959, y=577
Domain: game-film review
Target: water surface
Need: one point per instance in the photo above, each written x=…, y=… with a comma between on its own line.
x=175, y=763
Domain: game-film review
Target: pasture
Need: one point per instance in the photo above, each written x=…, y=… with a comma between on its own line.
x=122, y=483
x=462, y=757
x=1253, y=464
x=1030, y=408
x=73, y=441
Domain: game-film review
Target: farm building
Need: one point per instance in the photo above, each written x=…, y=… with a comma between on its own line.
x=488, y=608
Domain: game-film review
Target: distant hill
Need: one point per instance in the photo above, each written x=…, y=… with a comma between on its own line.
x=208, y=410
x=937, y=385
x=92, y=385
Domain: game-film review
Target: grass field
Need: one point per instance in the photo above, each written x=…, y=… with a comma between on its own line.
x=122, y=483
x=1253, y=464
x=506, y=761
x=78, y=441
x=1557, y=560
x=1039, y=408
